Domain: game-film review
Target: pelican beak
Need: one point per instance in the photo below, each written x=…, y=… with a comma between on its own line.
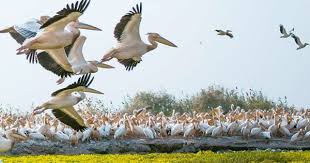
x=165, y=42
x=90, y=90
x=102, y=65
x=87, y=26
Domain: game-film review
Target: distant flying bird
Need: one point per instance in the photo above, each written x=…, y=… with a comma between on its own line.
x=131, y=48
x=63, y=100
x=283, y=31
x=27, y=30
x=59, y=31
x=225, y=33
x=299, y=43
x=75, y=57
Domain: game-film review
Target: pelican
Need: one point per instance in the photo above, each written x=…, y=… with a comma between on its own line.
x=8, y=140
x=283, y=31
x=131, y=48
x=60, y=30
x=27, y=30
x=299, y=43
x=225, y=33
x=63, y=100
x=78, y=64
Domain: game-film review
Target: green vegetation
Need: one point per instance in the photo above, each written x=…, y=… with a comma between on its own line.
x=257, y=156
x=203, y=101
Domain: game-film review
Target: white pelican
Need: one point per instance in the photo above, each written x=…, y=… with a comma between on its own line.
x=299, y=43
x=131, y=48
x=283, y=31
x=63, y=100
x=29, y=29
x=298, y=136
x=8, y=140
x=224, y=33
x=77, y=63
x=60, y=30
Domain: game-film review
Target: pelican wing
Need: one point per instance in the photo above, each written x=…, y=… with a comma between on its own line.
x=282, y=29
x=66, y=15
x=49, y=64
x=129, y=63
x=83, y=81
x=219, y=31
x=28, y=29
x=60, y=57
x=25, y=31
x=297, y=40
x=76, y=56
x=127, y=30
x=70, y=117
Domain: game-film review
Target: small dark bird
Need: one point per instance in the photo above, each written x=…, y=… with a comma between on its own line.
x=223, y=33
x=299, y=43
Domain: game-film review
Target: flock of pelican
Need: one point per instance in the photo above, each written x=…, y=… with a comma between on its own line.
x=57, y=44
x=291, y=126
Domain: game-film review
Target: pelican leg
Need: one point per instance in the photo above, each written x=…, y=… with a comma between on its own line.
x=109, y=55
x=40, y=109
x=60, y=81
x=27, y=45
x=25, y=51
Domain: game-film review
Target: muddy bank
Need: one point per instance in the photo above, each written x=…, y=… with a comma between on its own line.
x=170, y=145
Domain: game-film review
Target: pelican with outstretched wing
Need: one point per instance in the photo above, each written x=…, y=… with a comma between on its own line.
x=75, y=56
x=63, y=100
x=27, y=30
x=131, y=48
x=59, y=32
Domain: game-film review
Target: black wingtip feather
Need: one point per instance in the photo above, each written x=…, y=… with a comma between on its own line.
x=125, y=19
x=79, y=6
x=83, y=81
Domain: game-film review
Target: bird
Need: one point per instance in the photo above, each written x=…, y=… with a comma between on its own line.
x=26, y=30
x=63, y=100
x=8, y=140
x=298, y=42
x=75, y=57
x=225, y=33
x=285, y=34
x=130, y=47
x=59, y=32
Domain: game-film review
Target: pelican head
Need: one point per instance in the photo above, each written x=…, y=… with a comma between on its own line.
x=306, y=44
x=156, y=37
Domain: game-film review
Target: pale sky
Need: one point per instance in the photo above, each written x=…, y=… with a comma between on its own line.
x=256, y=58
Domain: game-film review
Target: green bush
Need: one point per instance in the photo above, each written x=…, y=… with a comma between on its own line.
x=203, y=101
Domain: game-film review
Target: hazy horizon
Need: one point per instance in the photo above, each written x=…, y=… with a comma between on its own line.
x=255, y=59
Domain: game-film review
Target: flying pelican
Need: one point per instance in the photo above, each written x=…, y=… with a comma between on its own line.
x=63, y=100
x=223, y=33
x=131, y=48
x=60, y=30
x=298, y=42
x=75, y=57
x=283, y=31
x=27, y=30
